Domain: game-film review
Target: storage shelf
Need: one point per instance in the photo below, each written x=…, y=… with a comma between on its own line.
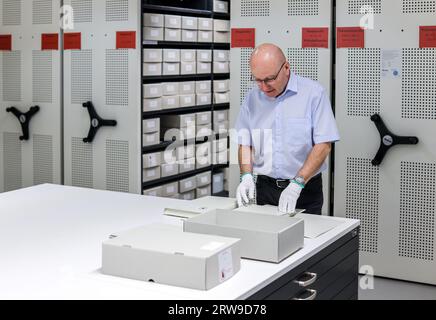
x=151, y=8
x=178, y=177
x=221, y=106
x=188, y=77
x=150, y=44
x=177, y=111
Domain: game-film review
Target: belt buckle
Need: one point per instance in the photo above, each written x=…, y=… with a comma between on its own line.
x=278, y=181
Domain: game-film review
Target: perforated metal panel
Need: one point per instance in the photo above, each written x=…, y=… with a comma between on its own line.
x=419, y=6
x=417, y=210
x=117, y=10
x=42, y=76
x=82, y=164
x=42, y=159
x=304, y=62
x=82, y=10
x=42, y=11
x=363, y=82
x=12, y=161
x=255, y=8
x=117, y=165
x=246, y=83
x=117, y=77
x=419, y=84
x=81, y=76
x=303, y=7
x=12, y=76
x=356, y=6
x=362, y=200
x=12, y=12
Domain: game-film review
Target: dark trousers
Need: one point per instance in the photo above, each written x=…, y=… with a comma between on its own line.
x=311, y=198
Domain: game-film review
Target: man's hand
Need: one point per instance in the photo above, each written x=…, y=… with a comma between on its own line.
x=246, y=186
x=289, y=197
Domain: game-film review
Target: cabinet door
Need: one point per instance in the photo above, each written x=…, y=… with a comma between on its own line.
x=394, y=78
x=110, y=78
x=30, y=75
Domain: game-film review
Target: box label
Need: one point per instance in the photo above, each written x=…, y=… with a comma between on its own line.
x=225, y=265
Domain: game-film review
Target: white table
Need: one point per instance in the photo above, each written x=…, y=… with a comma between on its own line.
x=50, y=247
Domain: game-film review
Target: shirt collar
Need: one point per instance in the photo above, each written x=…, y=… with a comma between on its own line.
x=292, y=86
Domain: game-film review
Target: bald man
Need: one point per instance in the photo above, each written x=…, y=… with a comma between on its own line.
x=285, y=130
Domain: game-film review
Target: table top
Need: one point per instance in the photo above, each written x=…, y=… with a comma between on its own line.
x=51, y=238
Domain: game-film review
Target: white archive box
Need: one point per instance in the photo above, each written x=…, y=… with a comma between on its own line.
x=204, y=179
x=221, y=157
x=155, y=192
x=204, y=131
x=153, y=34
x=220, y=145
x=203, y=118
x=187, y=55
x=203, y=86
x=190, y=195
x=205, y=24
x=187, y=87
x=187, y=100
x=203, y=191
x=189, y=23
x=221, y=86
x=221, y=36
x=152, y=69
x=152, y=104
x=187, y=165
x=221, y=25
x=173, y=21
x=218, y=182
x=220, y=115
x=189, y=35
x=178, y=121
x=168, y=170
x=151, y=174
x=202, y=261
x=203, y=149
x=204, y=55
x=178, y=134
x=170, y=102
x=150, y=139
x=153, y=20
x=170, y=88
x=171, y=55
x=173, y=34
x=203, y=99
x=188, y=68
x=171, y=68
x=220, y=6
x=152, y=55
x=222, y=97
x=221, y=55
x=151, y=125
x=221, y=67
x=203, y=161
x=185, y=152
x=169, y=156
x=170, y=189
x=153, y=90
x=188, y=184
x=219, y=127
x=205, y=36
x=204, y=67
x=264, y=237
x=152, y=160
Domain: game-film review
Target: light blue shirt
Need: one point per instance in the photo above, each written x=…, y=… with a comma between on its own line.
x=283, y=130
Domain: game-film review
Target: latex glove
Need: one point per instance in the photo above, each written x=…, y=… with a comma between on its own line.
x=246, y=186
x=289, y=197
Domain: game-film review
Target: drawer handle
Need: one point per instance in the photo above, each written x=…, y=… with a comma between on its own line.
x=311, y=297
x=307, y=283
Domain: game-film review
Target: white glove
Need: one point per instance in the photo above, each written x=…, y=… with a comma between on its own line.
x=289, y=197
x=246, y=186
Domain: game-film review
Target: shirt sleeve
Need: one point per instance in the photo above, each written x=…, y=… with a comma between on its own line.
x=324, y=124
x=242, y=126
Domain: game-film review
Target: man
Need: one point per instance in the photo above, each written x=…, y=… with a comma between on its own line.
x=285, y=130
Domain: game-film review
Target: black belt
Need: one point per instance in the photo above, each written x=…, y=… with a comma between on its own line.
x=283, y=183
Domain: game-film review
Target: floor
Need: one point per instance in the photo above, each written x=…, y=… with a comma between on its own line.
x=387, y=289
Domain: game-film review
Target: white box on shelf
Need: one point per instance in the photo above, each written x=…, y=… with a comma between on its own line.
x=190, y=23
x=221, y=55
x=204, y=67
x=173, y=34
x=151, y=174
x=170, y=189
x=150, y=139
x=204, y=131
x=204, y=36
x=220, y=6
x=203, y=118
x=152, y=55
x=221, y=36
x=153, y=90
x=188, y=55
x=152, y=160
x=171, y=55
x=171, y=68
x=221, y=67
x=221, y=86
x=202, y=192
x=190, y=195
x=221, y=97
x=188, y=67
x=178, y=134
x=203, y=162
x=204, y=179
x=169, y=170
x=169, y=156
x=187, y=100
x=218, y=182
x=204, y=55
x=221, y=127
x=220, y=145
x=152, y=104
x=152, y=69
x=221, y=25
x=203, y=86
x=173, y=21
x=151, y=125
x=187, y=165
x=153, y=20
x=187, y=87
x=220, y=115
x=189, y=36
x=155, y=192
x=205, y=24
x=170, y=88
x=135, y=254
x=185, y=152
x=153, y=34
x=188, y=184
x=221, y=157
x=203, y=99
x=170, y=102
x=203, y=149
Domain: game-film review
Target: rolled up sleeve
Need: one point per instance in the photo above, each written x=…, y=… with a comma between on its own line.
x=324, y=126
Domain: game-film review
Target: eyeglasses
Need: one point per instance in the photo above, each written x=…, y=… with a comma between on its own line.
x=270, y=80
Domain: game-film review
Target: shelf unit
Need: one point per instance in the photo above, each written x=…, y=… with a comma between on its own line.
x=200, y=9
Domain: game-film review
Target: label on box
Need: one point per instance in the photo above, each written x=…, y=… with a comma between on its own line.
x=350, y=37
x=315, y=37
x=427, y=37
x=152, y=67
x=150, y=138
x=50, y=41
x=153, y=90
x=204, y=117
x=155, y=19
x=126, y=39
x=150, y=125
x=190, y=22
x=171, y=189
x=225, y=265
x=243, y=38
x=151, y=173
x=189, y=67
x=188, y=184
x=153, y=104
x=171, y=67
x=204, y=180
x=205, y=35
x=154, y=33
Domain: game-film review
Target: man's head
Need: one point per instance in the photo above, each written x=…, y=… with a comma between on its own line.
x=270, y=69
